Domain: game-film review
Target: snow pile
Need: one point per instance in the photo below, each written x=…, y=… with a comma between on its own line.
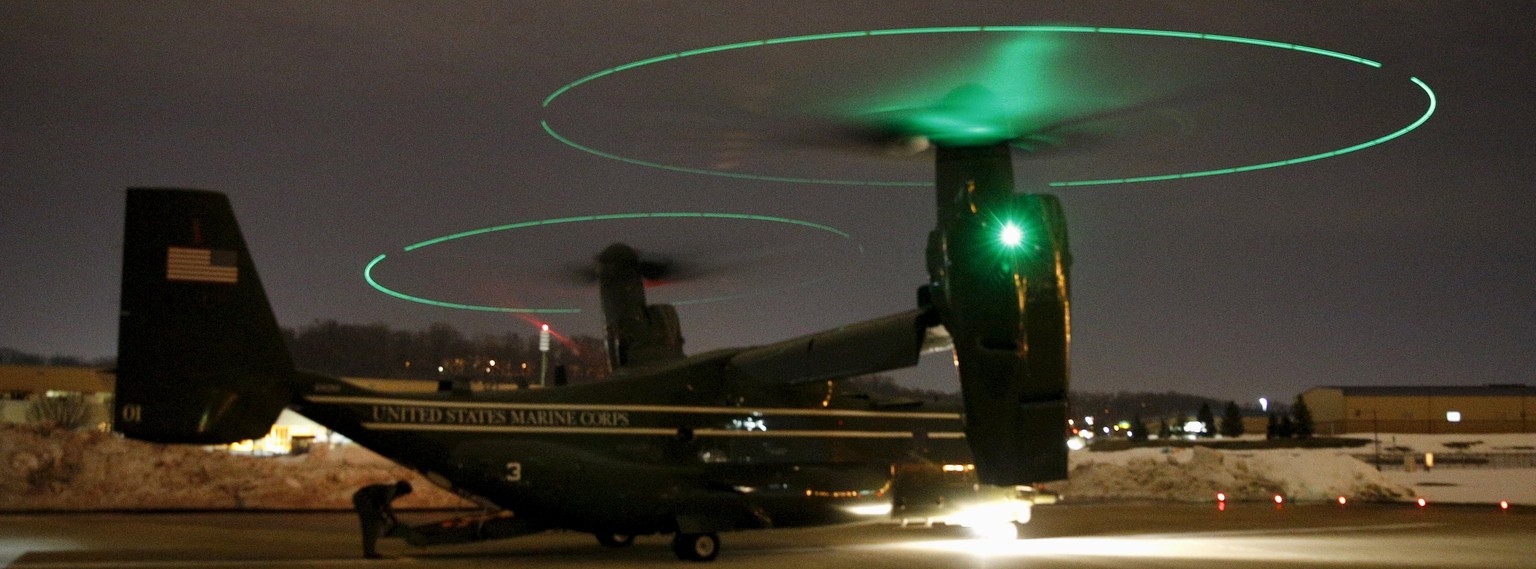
x=1197, y=474
x=55, y=469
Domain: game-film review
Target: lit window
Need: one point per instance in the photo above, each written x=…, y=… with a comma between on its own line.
x=1453, y=416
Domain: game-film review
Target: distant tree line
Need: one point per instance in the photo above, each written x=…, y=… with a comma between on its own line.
x=1297, y=423
x=377, y=351
x=14, y=357
x=1123, y=405
x=1108, y=408
x=439, y=351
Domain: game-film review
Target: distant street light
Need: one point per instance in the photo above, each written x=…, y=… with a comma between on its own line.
x=543, y=355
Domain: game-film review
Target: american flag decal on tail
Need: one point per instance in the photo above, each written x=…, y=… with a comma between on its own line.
x=189, y=264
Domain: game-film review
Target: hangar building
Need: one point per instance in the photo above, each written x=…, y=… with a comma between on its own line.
x=1496, y=408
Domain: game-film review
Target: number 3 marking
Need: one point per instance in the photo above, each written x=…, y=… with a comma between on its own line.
x=514, y=471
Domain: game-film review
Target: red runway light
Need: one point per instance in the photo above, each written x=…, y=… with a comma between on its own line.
x=1279, y=499
x=1422, y=503
x=1343, y=500
x=1221, y=506
x=1503, y=504
x=1221, y=496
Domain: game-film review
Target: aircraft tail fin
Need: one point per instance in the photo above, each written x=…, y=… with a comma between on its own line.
x=200, y=356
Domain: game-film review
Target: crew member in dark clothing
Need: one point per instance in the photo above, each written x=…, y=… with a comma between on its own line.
x=374, y=513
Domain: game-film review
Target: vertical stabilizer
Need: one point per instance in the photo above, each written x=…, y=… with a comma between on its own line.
x=200, y=356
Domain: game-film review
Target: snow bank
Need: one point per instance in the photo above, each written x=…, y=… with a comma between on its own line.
x=55, y=469
x=1197, y=474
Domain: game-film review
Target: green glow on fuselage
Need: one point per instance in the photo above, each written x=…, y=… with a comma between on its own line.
x=966, y=126
x=368, y=270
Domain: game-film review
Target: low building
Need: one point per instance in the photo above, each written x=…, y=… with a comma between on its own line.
x=24, y=387
x=1422, y=409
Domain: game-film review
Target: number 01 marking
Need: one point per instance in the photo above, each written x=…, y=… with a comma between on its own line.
x=514, y=471
x=132, y=413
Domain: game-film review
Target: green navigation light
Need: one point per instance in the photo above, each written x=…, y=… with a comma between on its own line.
x=975, y=122
x=368, y=270
x=1011, y=235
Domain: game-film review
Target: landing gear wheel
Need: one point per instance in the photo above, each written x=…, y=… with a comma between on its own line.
x=615, y=540
x=696, y=546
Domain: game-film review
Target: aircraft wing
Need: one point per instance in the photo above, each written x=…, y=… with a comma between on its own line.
x=887, y=343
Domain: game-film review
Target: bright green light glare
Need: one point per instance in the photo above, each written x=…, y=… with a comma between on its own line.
x=957, y=128
x=1011, y=235
x=368, y=270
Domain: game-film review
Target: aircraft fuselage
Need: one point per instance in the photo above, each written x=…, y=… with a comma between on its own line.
x=652, y=449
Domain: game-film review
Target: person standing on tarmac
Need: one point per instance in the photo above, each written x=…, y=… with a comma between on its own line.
x=375, y=514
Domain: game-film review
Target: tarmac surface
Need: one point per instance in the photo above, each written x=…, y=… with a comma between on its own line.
x=1118, y=535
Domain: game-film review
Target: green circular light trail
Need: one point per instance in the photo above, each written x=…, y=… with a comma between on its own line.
x=368, y=275
x=1433, y=102
x=368, y=270
x=992, y=29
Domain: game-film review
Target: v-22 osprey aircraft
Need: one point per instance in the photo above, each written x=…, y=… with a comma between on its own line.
x=732, y=439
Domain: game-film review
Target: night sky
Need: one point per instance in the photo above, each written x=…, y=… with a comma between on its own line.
x=345, y=131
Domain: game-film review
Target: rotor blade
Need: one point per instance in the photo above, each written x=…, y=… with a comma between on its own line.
x=714, y=265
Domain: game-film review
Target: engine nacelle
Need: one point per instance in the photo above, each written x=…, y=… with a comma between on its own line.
x=998, y=265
